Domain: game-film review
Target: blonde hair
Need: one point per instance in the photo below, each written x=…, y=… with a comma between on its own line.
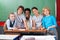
x=10, y=14
x=46, y=8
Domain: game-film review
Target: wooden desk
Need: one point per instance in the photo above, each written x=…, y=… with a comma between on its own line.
x=24, y=30
x=18, y=31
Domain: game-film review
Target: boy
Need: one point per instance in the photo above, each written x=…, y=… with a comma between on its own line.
x=21, y=21
x=49, y=22
x=28, y=17
x=11, y=23
x=36, y=18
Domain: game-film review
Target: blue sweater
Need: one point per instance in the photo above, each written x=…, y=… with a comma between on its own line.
x=48, y=21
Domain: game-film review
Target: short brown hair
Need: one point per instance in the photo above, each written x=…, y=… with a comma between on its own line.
x=20, y=7
x=34, y=8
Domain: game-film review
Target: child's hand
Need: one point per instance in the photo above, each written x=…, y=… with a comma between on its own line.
x=43, y=29
x=26, y=28
x=15, y=28
x=40, y=28
x=18, y=27
x=33, y=28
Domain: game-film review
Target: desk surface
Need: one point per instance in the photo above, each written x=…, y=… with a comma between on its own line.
x=22, y=30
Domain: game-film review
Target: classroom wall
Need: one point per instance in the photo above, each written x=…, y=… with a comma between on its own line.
x=7, y=6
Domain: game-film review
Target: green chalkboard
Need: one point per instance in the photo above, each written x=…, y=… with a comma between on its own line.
x=7, y=6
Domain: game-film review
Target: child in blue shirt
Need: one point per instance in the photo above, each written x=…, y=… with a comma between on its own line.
x=48, y=21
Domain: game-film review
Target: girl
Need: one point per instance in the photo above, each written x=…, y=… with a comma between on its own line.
x=49, y=22
x=21, y=21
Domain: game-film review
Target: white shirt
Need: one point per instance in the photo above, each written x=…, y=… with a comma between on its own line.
x=29, y=22
x=19, y=20
x=38, y=20
x=8, y=24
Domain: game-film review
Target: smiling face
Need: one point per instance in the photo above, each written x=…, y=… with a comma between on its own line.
x=46, y=12
x=27, y=14
x=20, y=11
x=12, y=17
x=35, y=11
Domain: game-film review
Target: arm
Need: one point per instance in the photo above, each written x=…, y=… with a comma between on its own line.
x=33, y=24
x=15, y=25
x=40, y=27
x=5, y=27
x=43, y=23
x=54, y=23
x=53, y=26
x=8, y=25
x=25, y=25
